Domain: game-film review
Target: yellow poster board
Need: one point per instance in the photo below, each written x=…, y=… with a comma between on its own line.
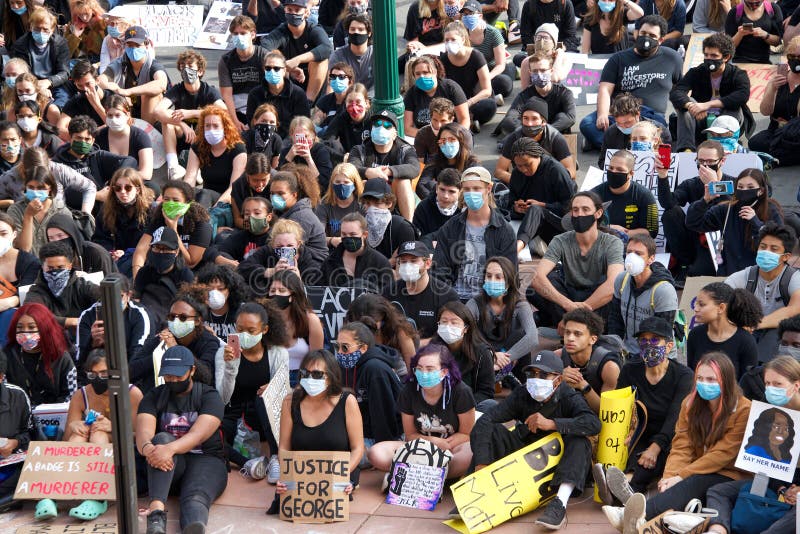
x=510, y=487
x=616, y=410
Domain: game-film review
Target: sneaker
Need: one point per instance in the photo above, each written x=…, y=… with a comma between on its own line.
x=195, y=528
x=538, y=246
x=454, y=513
x=176, y=173
x=554, y=516
x=618, y=484
x=586, y=146
x=514, y=35
x=499, y=100
x=615, y=516
x=273, y=470
x=475, y=127
x=255, y=468
x=599, y=475
x=633, y=517
x=157, y=522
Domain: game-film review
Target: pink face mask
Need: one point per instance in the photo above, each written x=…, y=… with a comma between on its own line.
x=28, y=340
x=355, y=110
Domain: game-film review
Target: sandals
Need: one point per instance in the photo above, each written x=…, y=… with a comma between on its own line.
x=89, y=510
x=45, y=509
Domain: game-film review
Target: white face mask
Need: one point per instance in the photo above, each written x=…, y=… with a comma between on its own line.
x=453, y=47
x=5, y=246
x=216, y=299
x=634, y=264
x=409, y=272
x=116, y=124
x=27, y=124
x=540, y=388
x=450, y=334
x=447, y=212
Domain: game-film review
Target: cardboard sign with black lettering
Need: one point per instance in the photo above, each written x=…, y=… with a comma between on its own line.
x=100, y=527
x=316, y=482
x=330, y=304
x=63, y=470
x=415, y=485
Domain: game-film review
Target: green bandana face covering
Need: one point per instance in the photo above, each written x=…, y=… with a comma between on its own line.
x=81, y=147
x=174, y=210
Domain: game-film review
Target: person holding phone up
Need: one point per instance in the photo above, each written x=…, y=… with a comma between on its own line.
x=754, y=26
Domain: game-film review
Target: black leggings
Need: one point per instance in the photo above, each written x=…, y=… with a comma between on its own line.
x=255, y=415
x=503, y=84
x=198, y=478
x=483, y=110
x=679, y=495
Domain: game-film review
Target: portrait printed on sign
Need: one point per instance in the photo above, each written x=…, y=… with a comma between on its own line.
x=770, y=444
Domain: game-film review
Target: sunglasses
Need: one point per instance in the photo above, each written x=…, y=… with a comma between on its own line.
x=385, y=124
x=120, y=188
x=536, y=373
x=316, y=375
x=273, y=69
x=338, y=77
x=92, y=376
x=344, y=348
x=180, y=316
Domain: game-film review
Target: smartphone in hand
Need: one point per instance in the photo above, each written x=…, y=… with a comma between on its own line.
x=665, y=155
x=233, y=343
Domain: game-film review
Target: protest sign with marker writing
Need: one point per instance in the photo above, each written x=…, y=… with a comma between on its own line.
x=64, y=470
x=316, y=481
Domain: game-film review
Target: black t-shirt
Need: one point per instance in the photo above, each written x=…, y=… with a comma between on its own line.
x=740, y=347
x=79, y=105
x=271, y=146
x=422, y=308
x=435, y=420
x=635, y=208
x=429, y=31
x=251, y=376
x=241, y=190
x=327, y=104
x=241, y=244
x=222, y=325
x=786, y=104
x=465, y=76
x=137, y=140
x=649, y=78
x=201, y=236
x=183, y=99
x=418, y=102
x=551, y=141
x=181, y=413
x=754, y=49
x=242, y=76
x=217, y=174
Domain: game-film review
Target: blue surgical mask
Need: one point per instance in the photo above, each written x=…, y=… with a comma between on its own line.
x=425, y=83
x=606, y=7
x=776, y=395
x=278, y=202
x=241, y=42
x=473, y=200
x=20, y=10
x=343, y=191
x=11, y=82
x=495, y=289
x=729, y=144
x=470, y=21
x=428, y=379
x=380, y=135
x=136, y=54
x=708, y=390
x=41, y=37
x=272, y=77
x=339, y=86
x=767, y=260
x=36, y=194
x=449, y=149
x=642, y=146
x=113, y=31
x=626, y=131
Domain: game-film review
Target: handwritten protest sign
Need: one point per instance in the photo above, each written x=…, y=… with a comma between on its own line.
x=167, y=25
x=508, y=488
x=273, y=396
x=759, y=75
x=316, y=481
x=331, y=304
x=694, y=52
x=12, y=459
x=63, y=470
x=616, y=409
x=102, y=527
x=769, y=445
x=215, y=34
x=583, y=78
x=691, y=288
x=415, y=485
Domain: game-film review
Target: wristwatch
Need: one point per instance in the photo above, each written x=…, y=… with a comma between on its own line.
x=586, y=389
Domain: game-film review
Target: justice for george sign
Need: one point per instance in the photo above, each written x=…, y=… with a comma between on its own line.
x=63, y=470
x=316, y=481
x=102, y=527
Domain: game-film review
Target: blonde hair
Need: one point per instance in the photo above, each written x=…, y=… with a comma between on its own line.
x=349, y=171
x=10, y=93
x=42, y=14
x=786, y=366
x=306, y=123
x=286, y=226
x=424, y=9
x=458, y=27
x=653, y=130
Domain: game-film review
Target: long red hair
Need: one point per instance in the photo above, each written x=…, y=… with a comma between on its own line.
x=52, y=342
x=706, y=427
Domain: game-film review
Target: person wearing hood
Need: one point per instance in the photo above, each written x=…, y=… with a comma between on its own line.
x=645, y=289
x=367, y=370
x=294, y=197
x=85, y=157
x=386, y=230
x=545, y=405
x=163, y=272
x=241, y=244
x=89, y=257
x=59, y=287
x=353, y=261
x=440, y=206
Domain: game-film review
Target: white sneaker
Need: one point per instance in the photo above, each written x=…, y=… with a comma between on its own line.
x=615, y=515
x=255, y=468
x=273, y=470
x=175, y=173
x=633, y=517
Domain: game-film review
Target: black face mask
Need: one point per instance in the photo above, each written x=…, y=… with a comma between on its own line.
x=645, y=45
x=746, y=196
x=582, y=223
x=616, y=179
x=714, y=167
x=794, y=65
x=161, y=262
x=357, y=39
x=352, y=244
x=265, y=130
x=281, y=301
x=177, y=388
x=532, y=131
x=100, y=385
x=713, y=65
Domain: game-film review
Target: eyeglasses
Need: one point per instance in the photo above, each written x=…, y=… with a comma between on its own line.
x=338, y=77
x=536, y=373
x=180, y=316
x=385, y=124
x=780, y=428
x=428, y=369
x=344, y=348
x=120, y=188
x=316, y=375
x=92, y=376
x=707, y=162
x=273, y=69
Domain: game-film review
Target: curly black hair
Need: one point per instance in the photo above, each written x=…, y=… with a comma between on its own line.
x=743, y=310
x=270, y=316
x=238, y=290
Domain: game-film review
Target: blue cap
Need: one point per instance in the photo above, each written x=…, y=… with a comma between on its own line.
x=176, y=361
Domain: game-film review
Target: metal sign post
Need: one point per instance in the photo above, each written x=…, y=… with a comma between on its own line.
x=120, y=404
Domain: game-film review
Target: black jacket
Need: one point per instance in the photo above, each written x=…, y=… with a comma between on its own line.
x=98, y=165
x=204, y=347
x=15, y=415
x=76, y=297
x=41, y=389
x=500, y=240
x=125, y=236
x=136, y=323
x=377, y=389
x=686, y=192
x=290, y=103
x=92, y=258
x=59, y=55
x=752, y=384
x=480, y=377
x=560, y=107
x=401, y=159
x=532, y=17
x=428, y=219
x=734, y=89
x=303, y=214
x=567, y=408
x=372, y=270
x=156, y=291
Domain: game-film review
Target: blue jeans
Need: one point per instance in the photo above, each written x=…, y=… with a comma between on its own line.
x=595, y=136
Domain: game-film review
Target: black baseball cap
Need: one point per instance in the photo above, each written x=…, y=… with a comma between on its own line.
x=656, y=325
x=168, y=238
x=385, y=114
x=176, y=361
x=546, y=361
x=377, y=188
x=414, y=248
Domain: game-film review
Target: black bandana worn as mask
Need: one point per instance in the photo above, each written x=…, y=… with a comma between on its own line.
x=161, y=262
x=582, y=223
x=746, y=196
x=645, y=45
x=616, y=179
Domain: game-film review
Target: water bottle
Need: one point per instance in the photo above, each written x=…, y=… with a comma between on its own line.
x=682, y=51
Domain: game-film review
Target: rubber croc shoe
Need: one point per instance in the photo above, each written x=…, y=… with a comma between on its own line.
x=46, y=509
x=89, y=510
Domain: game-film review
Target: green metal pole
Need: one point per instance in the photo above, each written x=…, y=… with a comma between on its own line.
x=387, y=77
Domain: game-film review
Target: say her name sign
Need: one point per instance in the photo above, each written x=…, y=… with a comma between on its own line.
x=64, y=470
x=316, y=481
x=770, y=445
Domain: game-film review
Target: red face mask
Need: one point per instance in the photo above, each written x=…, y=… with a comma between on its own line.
x=355, y=110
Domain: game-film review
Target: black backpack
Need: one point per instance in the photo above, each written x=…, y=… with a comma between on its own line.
x=783, y=284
